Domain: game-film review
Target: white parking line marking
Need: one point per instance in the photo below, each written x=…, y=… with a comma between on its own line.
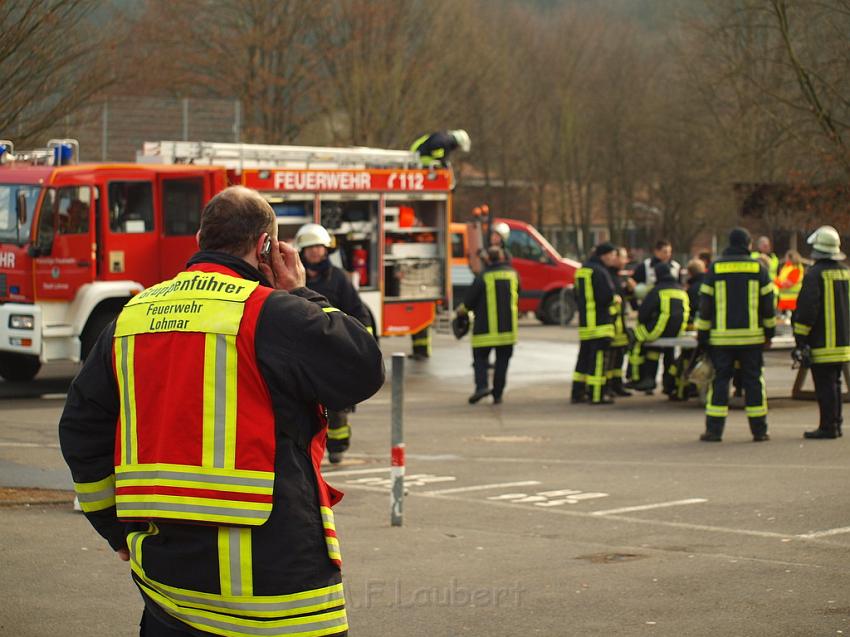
x=827, y=533
x=413, y=480
x=36, y=445
x=647, y=507
x=355, y=472
x=483, y=487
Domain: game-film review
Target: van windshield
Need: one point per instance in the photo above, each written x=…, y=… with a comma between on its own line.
x=8, y=213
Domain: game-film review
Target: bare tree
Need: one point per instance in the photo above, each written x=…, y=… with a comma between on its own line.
x=259, y=51
x=54, y=56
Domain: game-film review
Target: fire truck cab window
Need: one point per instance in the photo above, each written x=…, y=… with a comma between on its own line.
x=131, y=206
x=522, y=246
x=73, y=206
x=181, y=206
x=457, y=246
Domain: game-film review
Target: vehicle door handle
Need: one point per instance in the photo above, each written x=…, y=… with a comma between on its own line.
x=84, y=264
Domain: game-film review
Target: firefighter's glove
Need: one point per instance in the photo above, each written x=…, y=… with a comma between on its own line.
x=702, y=339
x=630, y=334
x=801, y=357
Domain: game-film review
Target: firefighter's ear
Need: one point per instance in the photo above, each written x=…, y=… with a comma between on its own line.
x=198, y=238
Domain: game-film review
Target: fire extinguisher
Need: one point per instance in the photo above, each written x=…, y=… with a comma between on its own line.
x=360, y=261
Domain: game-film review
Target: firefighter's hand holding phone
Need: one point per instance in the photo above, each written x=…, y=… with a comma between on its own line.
x=281, y=264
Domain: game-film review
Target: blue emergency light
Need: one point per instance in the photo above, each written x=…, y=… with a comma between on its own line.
x=62, y=154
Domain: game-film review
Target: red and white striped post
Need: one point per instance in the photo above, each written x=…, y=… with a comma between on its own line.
x=397, y=441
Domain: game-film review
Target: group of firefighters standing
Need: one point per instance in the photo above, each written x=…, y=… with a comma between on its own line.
x=732, y=304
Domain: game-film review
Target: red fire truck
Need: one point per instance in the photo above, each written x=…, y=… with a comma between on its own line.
x=78, y=240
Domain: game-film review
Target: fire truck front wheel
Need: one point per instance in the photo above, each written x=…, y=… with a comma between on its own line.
x=18, y=368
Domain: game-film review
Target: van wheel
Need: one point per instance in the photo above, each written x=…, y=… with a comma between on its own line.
x=552, y=309
x=18, y=368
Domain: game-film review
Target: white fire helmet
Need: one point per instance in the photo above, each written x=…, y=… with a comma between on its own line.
x=313, y=234
x=462, y=139
x=503, y=230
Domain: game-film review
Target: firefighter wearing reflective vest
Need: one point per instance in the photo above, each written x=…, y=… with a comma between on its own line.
x=493, y=299
x=434, y=148
x=194, y=434
x=644, y=274
x=620, y=343
x=598, y=306
x=789, y=281
x=822, y=327
x=663, y=313
x=764, y=250
x=314, y=244
x=736, y=321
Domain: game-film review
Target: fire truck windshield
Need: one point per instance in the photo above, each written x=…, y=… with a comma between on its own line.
x=9, y=232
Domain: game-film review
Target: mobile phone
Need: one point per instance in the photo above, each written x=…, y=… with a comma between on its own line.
x=266, y=252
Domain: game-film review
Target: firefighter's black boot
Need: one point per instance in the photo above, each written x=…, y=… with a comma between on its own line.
x=758, y=427
x=713, y=429
x=579, y=394
x=616, y=387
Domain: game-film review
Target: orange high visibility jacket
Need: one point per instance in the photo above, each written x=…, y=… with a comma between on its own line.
x=789, y=281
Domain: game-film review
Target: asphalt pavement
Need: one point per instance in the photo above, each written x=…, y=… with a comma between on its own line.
x=534, y=517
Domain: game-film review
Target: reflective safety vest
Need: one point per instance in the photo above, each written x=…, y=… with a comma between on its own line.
x=822, y=318
x=772, y=259
x=789, y=281
x=199, y=445
x=652, y=278
x=496, y=319
x=673, y=308
x=736, y=303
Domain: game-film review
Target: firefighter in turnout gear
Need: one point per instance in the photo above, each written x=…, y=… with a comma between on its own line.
x=736, y=321
x=434, y=149
x=598, y=307
x=663, y=313
x=493, y=299
x=195, y=431
x=644, y=274
x=314, y=244
x=620, y=343
x=822, y=327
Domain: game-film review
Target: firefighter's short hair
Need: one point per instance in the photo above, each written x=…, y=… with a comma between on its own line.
x=234, y=220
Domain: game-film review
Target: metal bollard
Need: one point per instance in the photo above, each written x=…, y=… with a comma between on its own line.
x=397, y=441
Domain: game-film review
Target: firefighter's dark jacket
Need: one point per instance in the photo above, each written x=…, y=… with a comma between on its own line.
x=337, y=289
x=663, y=311
x=594, y=292
x=821, y=319
x=305, y=356
x=736, y=302
x=493, y=298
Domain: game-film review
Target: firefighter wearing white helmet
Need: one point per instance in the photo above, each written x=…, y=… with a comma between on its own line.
x=499, y=235
x=822, y=327
x=315, y=243
x=434, y=148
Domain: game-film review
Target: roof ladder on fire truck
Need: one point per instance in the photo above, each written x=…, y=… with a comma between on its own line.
x=238, y=156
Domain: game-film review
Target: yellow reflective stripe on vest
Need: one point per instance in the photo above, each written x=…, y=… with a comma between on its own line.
x=493, y=337
x=96, y=496
x=328, y=310
x=705, y=288
x=219, y=437
x=802, y=330
x=227, y=614
x=831, y=354
x=190, y=302
x=753, y=303
x=235, y=565
x=188, y=477
x=330, y=540
x=124, y=364
x=720, y=305
x=586, y=274
x=828, y=311
x=736, y=267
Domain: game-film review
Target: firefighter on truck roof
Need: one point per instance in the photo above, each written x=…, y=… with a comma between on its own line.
x=195, y=450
